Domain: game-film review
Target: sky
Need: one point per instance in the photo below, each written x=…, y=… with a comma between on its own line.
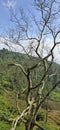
x=15, y=4
x=5, y=16
x=27, y=5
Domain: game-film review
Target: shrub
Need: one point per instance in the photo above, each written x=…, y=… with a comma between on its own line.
x=40, y=116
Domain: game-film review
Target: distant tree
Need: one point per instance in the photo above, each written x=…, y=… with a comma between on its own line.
x=36, y=29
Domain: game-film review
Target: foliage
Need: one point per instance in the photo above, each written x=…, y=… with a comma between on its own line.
x=40, y=116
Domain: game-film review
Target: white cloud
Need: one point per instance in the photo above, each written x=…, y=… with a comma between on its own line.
x=46, y=48
x=9, y=4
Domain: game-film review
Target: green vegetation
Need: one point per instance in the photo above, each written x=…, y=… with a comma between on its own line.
x=56, y=95
x=12, y=80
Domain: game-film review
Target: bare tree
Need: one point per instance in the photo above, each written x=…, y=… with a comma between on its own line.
x=46, y=25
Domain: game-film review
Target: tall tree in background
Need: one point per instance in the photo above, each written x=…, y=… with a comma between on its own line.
x=36, y=29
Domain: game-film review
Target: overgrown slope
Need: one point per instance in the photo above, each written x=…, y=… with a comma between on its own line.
x=12, y=81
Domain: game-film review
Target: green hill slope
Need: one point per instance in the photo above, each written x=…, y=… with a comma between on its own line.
x=12, y=80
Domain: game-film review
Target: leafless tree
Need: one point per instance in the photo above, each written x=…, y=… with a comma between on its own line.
x=46, y=24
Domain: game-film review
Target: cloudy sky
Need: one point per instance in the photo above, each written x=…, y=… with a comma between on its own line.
x=5, y=18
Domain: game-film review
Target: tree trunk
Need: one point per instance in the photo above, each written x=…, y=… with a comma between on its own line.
x=27, y=128
x=29, y=125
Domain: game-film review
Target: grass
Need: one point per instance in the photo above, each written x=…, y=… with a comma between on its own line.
x=47, y=126
x=8, y=108
x=21, y=127
x=55, y=95
x=53, y=120
x=4, y=125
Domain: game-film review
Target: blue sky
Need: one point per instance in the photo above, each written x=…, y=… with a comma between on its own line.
x=27, y=5
x=15, y=4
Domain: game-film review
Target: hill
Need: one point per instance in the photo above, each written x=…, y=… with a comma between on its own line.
x=12, y=81
x=12, y=77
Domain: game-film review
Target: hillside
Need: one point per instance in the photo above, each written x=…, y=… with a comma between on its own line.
x=12, y=80
x=12, y=77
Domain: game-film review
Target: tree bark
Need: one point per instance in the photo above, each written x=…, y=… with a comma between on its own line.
x=28, y=128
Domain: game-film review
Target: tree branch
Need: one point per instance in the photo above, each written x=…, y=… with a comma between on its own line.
x=20, y=66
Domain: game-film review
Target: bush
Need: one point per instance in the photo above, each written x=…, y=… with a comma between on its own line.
x=40, y=116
